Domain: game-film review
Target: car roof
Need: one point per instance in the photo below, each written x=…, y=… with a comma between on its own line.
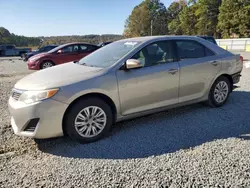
x=203, y=36
x=78, y=43
x=149, y=38
x=52, y=45
x=63, y=45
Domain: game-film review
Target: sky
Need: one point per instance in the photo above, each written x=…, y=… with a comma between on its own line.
x=66, y=17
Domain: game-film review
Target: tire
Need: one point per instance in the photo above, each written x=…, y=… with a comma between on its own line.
x=46, y=64
x=23, y=56
x=77, y=128
x=221, y=83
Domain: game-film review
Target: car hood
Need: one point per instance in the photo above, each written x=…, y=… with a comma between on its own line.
x=40, y=55
x=60, y=75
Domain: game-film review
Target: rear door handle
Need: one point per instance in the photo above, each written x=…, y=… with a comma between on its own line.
x=215, y=63
x=172, y=71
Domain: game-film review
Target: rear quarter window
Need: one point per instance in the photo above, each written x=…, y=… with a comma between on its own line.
x=211, y=40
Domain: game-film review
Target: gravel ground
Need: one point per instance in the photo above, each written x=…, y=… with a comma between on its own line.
x=12, y=66
x=193, y=146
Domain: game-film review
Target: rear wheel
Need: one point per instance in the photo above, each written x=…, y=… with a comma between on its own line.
x=23, y=56
x=219, y=92
x=88, y=120
x=46, y=64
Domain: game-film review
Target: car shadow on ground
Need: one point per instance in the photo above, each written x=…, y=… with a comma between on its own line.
x=163, y=132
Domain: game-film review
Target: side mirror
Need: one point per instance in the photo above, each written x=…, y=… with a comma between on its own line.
x=59, y=51
x=133, y=64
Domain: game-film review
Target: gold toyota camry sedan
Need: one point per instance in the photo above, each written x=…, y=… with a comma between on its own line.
x=125, y=79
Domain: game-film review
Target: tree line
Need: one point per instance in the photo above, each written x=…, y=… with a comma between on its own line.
x=9, y=38
x=218, y=18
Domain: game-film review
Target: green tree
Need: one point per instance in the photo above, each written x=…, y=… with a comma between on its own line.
x=207, y=14
x=234, y=18
x=9, y=38
x=139, y=21
x=4, y=35
x=188, y=20
x=174, y=10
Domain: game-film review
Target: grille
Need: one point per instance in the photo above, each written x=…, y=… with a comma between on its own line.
x=16, y=95
x=31, y=125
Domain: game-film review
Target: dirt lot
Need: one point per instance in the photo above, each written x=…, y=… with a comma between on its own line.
x=193, y=146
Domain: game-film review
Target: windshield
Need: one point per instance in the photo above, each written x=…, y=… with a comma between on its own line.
x=41, y=49
x=108, y=55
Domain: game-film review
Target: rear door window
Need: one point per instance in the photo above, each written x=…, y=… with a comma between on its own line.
x=188, y=49
x=83, y=48
x=87, y=48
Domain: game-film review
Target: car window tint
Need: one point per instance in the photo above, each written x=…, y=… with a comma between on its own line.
x=48, y=48
x=155, y=54
x=83, y=47
x=9, y=47
x=91, y=48
x=190, y=49
x=71, y=48
x=75, y=48
x=209, y=52
x=87, y=48
x=42, y=49
x=211, y=40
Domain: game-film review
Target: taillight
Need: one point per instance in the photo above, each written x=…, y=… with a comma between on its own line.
x=241, y=58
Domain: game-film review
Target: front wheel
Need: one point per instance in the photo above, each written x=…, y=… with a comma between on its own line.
x=88, y=120
x=219, y=92
x=46, y=64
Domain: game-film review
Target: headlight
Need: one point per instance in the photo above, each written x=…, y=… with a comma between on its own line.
x=33, y=96
x=34, y=58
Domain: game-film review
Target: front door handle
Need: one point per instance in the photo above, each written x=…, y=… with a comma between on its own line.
x=172, y=71
x=215, y=63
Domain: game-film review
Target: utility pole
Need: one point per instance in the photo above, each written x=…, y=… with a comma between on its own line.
x=151, y=27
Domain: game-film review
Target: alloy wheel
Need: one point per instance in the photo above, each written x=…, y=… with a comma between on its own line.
x=221, y=91
x=47, y=65
x=90, y=121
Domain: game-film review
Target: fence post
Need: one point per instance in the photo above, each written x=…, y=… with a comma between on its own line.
x=245, y=48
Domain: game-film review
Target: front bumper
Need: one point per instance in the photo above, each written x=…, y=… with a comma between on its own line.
x=49, y=114
x=33, y=65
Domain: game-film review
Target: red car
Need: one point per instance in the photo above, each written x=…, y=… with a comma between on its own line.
x=61, y=54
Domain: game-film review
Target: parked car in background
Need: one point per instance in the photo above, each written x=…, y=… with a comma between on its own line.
x=125, y=79
x=61, y=54
x=103, y=44
x=209, y=38
x=12, y=50
x=43, y=49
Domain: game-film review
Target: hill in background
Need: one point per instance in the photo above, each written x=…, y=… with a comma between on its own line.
x=9, y=38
